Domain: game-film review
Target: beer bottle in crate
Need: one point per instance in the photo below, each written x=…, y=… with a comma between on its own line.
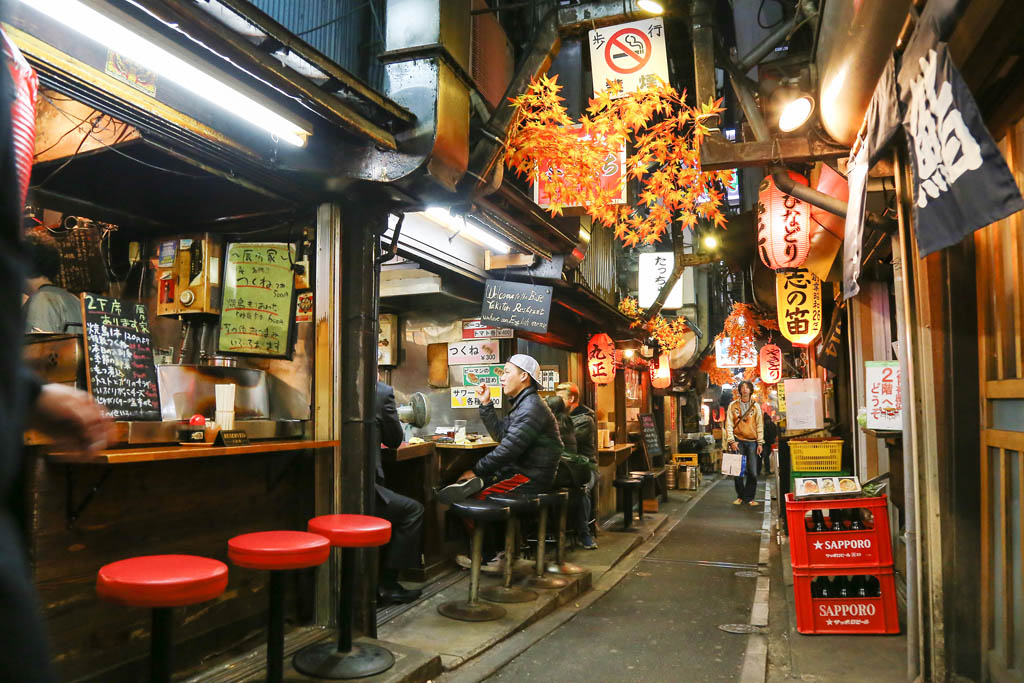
x=836, y=517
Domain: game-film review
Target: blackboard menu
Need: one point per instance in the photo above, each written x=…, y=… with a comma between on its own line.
x=119, y=358
x=517, y=305
x=652, y=442
x=259, y=299
x=81, y=261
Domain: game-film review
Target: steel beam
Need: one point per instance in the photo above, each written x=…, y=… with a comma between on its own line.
x=718, y=154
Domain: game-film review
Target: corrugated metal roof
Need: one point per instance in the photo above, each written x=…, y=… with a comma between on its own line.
x=350, y=32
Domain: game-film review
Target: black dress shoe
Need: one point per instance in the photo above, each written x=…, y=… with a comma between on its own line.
x=460, y=490
x=397, y=595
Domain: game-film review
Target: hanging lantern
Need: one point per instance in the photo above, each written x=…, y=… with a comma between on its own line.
x=661, y=374
x=783, y=225
x=770, y=364
x=798, y=295
x=601, y=359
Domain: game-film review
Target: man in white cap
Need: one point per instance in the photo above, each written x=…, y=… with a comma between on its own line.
x=526, y=457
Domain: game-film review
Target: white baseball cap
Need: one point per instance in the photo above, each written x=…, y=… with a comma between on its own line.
x=527, y=364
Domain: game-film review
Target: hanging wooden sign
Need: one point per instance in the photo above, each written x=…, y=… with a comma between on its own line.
x=517, y=305
x=798, y=294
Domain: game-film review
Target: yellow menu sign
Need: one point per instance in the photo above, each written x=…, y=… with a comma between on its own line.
x=259, y=299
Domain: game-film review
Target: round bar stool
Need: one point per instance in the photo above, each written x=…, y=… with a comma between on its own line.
x=480, y=511
x=627, y=486
x=561, y=565
x=346, y=659
x=161, y=582
x=278, y=552
x=505, y=592
x=539, y=579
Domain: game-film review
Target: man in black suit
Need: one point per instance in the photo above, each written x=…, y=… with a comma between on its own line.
x=405, y=514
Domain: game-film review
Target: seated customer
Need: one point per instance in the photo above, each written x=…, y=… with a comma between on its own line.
x=49, y=308
x=526, y=457
x=585, y=427
x=565, y=427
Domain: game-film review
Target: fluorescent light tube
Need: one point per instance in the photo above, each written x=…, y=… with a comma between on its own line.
x=463, y=226
x=94, y=25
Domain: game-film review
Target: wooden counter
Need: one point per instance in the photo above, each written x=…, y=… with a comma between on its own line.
x=478, y=445
x=412, y=451
x=614, y=455
x=116, y=456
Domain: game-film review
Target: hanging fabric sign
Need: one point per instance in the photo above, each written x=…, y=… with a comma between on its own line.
x=798, y=295
x=601, y=359
x=770, y=363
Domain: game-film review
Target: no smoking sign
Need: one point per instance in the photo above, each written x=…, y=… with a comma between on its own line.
x=633, y=54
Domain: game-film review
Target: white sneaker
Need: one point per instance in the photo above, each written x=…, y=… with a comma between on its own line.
x=495, y=566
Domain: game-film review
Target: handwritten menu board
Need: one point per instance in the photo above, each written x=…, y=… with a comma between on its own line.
x=649, y=432
x=516, y=305
x=81, y=262
x=119, y=358
x=259, y=299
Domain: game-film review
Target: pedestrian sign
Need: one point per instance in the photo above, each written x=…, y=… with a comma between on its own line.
x=632, y=54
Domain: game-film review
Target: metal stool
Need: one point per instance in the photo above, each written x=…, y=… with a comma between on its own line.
x=539, y=579
x=561, y=565
x=346, y=659
x=506, y=592
x=480, y=511
x=161, y=582
x=626, y=487
x=278, y=552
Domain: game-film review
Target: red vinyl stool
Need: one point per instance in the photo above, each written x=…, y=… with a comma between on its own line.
x=278, y=552
x=345, y=659
x=161, y=582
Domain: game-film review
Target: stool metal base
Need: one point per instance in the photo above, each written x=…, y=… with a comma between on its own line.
x=547, y=582
x=464, y=610
x=566, y=569
x=324, y=661
x=507, y=594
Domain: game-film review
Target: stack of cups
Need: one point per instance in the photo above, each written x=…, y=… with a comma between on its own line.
x=225, y=405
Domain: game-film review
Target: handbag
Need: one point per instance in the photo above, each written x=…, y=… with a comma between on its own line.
x=573, y=471
x=732, y=464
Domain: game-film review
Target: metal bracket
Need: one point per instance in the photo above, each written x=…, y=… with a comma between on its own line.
x=74, y=511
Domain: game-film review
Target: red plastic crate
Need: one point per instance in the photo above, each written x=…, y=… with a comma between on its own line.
x=838, y=549
x=846, y=615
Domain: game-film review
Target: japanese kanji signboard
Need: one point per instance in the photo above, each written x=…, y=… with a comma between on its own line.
x=465, y=397
x=885, y=402
x=259, y=299
x=798, y=296
x=473, y=352
x=654, y=270
x=633, y=54
x=475, y=375
x=119, y=358
x=612, y=177
x=474, y=328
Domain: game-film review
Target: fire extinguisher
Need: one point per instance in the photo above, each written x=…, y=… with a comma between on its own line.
x=23, y=113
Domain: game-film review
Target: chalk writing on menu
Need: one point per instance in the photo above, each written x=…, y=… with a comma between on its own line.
x=119, y=358
x=259, y=298
x=516, y=305
x=650, y=434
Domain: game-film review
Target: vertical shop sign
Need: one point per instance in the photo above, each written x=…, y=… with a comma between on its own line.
x=783, y=225
x=798, y=295
x=601, y=359
x=387, y=339
x=631, y=54
x=653, y=272
x=885, y=402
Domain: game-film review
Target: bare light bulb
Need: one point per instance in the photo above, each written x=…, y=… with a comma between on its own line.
x=650, y=6
x=710, y=242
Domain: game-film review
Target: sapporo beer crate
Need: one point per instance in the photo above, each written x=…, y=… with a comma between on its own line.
x=841, y=549
x=816, y=455
x=873, y=614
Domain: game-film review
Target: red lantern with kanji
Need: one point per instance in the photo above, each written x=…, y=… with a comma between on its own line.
x=783, y=225
x=601, y=359
x=661, y=374
x=770, y=365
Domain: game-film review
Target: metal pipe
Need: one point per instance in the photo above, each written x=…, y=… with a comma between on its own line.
x=762, y=49
x=807, y=194
x=390, y=252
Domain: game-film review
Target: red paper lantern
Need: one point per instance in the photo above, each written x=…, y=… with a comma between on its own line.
x=770, y=364
x=783, y=225
x=601, y=359
x=661, y=374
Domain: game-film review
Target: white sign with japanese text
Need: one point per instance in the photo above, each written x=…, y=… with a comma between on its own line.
x=885, y=402
x=633, y=54
x=473, y=352
x=465, y=397
x=655, y=269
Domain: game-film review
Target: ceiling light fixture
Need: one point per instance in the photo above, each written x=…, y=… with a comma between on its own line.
x=466, y=227
x=796, y=112
x=91, y=24
x=710, y=242
x=650, y=6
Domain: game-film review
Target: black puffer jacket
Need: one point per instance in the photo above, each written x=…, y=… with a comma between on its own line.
x=528, y=441
x=585, y=426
